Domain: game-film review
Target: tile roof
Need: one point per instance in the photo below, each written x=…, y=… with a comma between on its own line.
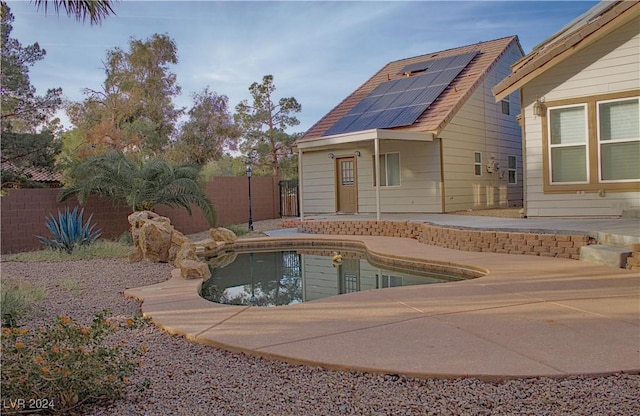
x=444, y=108
x=567, y=41
x=36, y=174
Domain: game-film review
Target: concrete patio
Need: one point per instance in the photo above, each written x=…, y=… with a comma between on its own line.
x=528, y=316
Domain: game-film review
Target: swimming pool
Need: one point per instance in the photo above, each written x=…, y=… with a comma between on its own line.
x=285, y=277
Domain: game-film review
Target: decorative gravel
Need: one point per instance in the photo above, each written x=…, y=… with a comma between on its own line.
x=193, y=379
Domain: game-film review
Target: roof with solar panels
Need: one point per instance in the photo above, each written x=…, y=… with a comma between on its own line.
x=421, y=93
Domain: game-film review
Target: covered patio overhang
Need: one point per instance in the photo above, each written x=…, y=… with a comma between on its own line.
x=373, y=135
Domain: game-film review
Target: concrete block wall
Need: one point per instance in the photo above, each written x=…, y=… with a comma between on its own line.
x=23, y=212
x=549, y=245
x=633, y=261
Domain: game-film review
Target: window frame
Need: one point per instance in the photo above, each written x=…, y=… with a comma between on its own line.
x=601, y=142
x=513, y=169
x=505, y=104
x=551, y=146
x=386, y=171
x=477, y=165
x=594, y=183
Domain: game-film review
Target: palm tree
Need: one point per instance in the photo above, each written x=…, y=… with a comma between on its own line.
x=141, y=184
x=96, y=10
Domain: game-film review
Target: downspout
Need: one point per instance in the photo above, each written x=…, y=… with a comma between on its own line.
x=523, y=128
x=376, y=147
x=300, y=183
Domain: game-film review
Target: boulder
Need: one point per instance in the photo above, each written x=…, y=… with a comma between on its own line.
x=207, y=244
x=193, y=269
x=177, y=240
x=223, y=235
x=154, y=239
x=187, y=252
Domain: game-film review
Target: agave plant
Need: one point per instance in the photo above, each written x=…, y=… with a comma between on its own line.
x=68, y=230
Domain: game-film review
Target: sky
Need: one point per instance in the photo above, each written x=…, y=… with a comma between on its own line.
x=317, y=52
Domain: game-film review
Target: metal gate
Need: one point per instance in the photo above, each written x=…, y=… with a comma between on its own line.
x=289, y=204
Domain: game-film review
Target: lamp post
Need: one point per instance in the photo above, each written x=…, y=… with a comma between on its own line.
x=250, y=215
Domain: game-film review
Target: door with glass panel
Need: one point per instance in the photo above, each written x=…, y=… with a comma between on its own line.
x=347, y=186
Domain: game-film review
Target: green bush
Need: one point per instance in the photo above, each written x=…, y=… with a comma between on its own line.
x=68, y=230
x=17, y=300
x=67, y=364
x=238, y=230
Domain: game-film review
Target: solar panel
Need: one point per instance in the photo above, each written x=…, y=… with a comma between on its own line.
x=401, y=101
x=416, y=67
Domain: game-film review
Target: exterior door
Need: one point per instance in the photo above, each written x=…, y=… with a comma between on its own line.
x=347, y=186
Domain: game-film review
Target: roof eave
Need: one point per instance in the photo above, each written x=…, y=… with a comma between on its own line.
x=365, y=135
x=562, y=51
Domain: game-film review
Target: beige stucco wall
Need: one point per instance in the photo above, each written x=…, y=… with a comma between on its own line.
x=610, y=65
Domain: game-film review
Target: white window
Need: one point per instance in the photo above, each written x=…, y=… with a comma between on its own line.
x=568, y=144
x=389, y=170
x=477, y=163
x=619, y=139
x=512, y=169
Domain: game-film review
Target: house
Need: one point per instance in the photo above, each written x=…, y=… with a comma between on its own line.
x=580, y=93
x=422, y=135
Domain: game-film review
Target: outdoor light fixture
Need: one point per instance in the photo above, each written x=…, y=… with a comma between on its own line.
x=331, y=155
x=357, y=153
x=539, y=107
x=249, y=179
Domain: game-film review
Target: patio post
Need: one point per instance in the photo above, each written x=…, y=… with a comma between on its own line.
x=376, y=146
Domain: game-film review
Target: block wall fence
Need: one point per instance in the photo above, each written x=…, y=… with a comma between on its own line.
x=23, y=211
x=509, y=242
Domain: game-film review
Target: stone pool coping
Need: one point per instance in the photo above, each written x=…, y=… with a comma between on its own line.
x=527, y=316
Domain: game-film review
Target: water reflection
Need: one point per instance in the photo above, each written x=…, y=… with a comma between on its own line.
x=287, y=277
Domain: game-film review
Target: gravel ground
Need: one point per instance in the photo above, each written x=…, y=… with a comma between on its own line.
x=193, y=379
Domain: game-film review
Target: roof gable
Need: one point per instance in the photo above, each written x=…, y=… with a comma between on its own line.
x=460, y=70
x=597, y=22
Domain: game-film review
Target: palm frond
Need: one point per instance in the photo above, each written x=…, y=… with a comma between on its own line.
x=95, y=10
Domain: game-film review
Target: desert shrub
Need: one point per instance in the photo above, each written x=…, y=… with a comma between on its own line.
x=238, y=230
x=70, y=365
x=17, y=300
x=101, y=249
x=126, y=238
x=68, y=230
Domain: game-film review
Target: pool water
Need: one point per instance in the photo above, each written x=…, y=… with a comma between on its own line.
x=277, y=278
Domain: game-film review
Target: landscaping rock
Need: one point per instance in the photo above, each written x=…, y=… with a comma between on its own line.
x=205, y=245
x=194, y=269
x=223, y=235
x=187, y=252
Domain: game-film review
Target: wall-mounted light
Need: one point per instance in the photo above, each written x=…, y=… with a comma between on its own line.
x=539, y=107
x=357, y=153
x=331, y=155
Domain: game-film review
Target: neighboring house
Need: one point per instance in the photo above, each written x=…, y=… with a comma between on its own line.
x=39, y=176
x=580, y=94
x=424, y=134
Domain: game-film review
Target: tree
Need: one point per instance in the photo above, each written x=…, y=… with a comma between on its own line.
x=209, y=131
x=23, y=154
x=23, y=113
x=226, y=165
x=95, y=10
x=22, y=110
x=134, y=110
x=263, y=124
x=141, y=183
